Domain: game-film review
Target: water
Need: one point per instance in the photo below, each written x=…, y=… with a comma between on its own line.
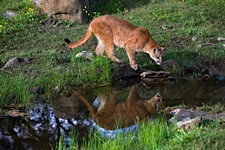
x=48, y=121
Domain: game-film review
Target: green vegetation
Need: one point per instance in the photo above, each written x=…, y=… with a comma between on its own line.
x=157, y=135
x=172, y=23
x=53, y=65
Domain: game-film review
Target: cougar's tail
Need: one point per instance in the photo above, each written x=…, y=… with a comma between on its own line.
x=86, y=103
x=81, y=41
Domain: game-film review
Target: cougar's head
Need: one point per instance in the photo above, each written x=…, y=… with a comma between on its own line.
x=157, y=99
x=157, y=55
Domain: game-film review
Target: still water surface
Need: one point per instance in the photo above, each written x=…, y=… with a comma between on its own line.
x=47, y=121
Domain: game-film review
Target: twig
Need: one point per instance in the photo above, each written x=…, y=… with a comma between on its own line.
x=205, y=44
x=5, y=71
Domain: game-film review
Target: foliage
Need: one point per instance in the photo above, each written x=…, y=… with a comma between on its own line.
x=158, y=135
x=172, y=23
x=107, y=7
x=14, y=91
x=26, y=35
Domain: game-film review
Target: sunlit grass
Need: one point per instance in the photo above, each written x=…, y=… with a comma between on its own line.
x=156, y=135
x=14, y=90
x=53, y=66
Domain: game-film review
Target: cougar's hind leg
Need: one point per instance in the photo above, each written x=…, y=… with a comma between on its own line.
x=105, y=41
x=99, y=50
x=109, y=48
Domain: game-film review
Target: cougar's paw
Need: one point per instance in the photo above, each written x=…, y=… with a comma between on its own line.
x=120, y=61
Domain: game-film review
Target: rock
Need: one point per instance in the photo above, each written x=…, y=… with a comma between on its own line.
x=186, y=118
x=16, y=113
x=213, y=71
x=9, y=14
x=14, y=61
x=85, y=54
x=187, y=124
x=216, y=74
x=194, y=38
x=147, y=76
x=154, y=74
x=170, y=63
x=37, y=90
x=125, y=71
x=215, y=117
x=150, y=76
x=11, y=63
x=164, y=28
x=74, y=10
x=181, y=114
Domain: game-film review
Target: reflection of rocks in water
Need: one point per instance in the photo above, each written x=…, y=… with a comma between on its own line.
x=42, y=127
x=111, y=115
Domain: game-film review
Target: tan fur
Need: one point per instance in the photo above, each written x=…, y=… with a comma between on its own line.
x=112, y=31
x=111, y=115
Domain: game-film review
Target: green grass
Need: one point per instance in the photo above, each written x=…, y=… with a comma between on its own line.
x=53, y=65
x=157, y=135
x=14, y=90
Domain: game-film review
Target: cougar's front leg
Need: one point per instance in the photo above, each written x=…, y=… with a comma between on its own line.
x=132, y=58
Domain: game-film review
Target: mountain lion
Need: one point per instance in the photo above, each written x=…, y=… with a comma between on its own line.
x=111, y=114
x=110, y=31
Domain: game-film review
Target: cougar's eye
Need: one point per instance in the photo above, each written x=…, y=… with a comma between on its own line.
x=155, y=49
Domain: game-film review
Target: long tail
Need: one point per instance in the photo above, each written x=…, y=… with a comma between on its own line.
x=86, y=103
x=81, y=41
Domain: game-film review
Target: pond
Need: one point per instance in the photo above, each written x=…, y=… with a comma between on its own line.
x=46, y=122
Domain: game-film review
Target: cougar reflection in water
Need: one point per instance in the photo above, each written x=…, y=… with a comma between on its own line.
x=111, y=115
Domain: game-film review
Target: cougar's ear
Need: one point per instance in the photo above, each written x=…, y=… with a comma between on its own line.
x=158, y=94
